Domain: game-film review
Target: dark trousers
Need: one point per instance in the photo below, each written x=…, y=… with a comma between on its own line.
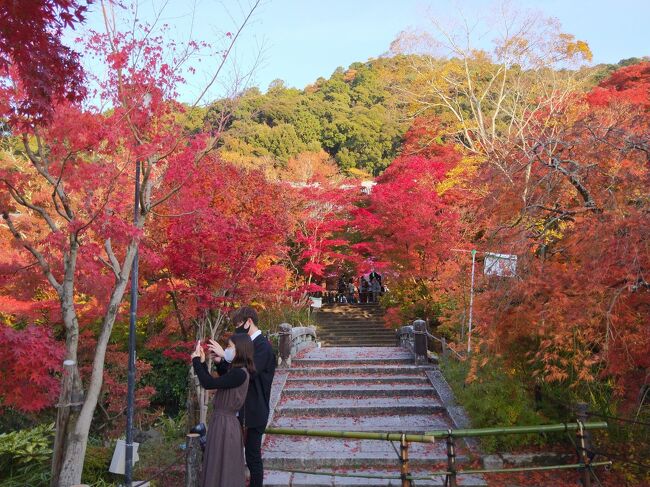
x=254, y=455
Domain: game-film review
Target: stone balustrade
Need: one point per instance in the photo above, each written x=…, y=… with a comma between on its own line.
x=293, y=339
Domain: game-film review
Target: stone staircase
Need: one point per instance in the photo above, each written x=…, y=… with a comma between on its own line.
x=353, y=325
x=358, y=389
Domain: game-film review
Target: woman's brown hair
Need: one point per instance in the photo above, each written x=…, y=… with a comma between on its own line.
x=243, y=352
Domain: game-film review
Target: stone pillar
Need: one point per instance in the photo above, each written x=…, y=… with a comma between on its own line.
x=420, y=339
x=284, y=360
x=193, y=460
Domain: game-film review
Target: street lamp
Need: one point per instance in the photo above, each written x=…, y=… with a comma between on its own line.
x=503, y=265
x=130, y=402
x=471, y=298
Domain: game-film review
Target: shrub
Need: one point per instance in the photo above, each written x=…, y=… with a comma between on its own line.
x=496, y=397
x=271, y=317
x=96, y=463
x=25, y=456
x=168, y=376
x=173, y=428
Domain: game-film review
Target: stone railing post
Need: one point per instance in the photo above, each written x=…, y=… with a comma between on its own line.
x=405, y=338
x=284, y=360
x=420, y=345
x=193, y=460
x=293, y=340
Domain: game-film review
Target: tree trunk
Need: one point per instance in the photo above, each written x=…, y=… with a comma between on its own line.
x=70, y=401
x=192, y=404
x=78, y=424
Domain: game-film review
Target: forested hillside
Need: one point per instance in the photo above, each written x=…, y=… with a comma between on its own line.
x=358, y=116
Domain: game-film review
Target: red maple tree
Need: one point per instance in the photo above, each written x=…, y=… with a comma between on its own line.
x=36, y=68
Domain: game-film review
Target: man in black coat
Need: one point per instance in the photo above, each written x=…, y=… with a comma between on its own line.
x=374, y=275
x=255, y=413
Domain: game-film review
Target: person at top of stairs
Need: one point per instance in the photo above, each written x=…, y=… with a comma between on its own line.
x=352, y=290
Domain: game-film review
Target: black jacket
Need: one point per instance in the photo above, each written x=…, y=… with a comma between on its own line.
x=255, y=412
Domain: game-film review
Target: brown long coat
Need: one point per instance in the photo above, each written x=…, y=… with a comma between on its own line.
x=223, y=461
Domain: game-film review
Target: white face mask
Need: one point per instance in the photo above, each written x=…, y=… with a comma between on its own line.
x=229, y=354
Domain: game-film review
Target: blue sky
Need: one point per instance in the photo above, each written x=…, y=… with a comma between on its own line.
x=301, y=40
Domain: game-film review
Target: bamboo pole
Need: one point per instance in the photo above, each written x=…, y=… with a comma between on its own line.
x=441, y=473
x=529, y=469
x=430, y=436
x=404, y=461
x=358, y=435
x=450, y=479
x=517, y=430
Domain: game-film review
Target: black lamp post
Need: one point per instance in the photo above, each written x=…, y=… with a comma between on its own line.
x=130, y=406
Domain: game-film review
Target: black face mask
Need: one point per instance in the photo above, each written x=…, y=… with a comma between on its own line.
x=241, y=329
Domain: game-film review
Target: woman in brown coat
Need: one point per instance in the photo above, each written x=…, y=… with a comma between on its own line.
x=223, y=460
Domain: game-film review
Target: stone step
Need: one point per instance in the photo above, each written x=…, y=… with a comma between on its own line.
x=357, y=342
x=368, y=390
x=353, y=326
x=359, y=381
x=361, y=370
x=333, y=362
x=346, y=340
x=351, y=306
x=273, y=478
x=346, y=336
x=364, y=337
x=358, y=406
x=281, y=451
x=364, y=325
x=330, y=317
x=355, y=329
x=356, y=333
x=334, y=352
x=353, y=344
x=405, y=423
x=351, y=309
x=349, y=316
x=365, y=311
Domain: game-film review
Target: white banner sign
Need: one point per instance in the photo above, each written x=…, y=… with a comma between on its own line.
x=502, y=265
